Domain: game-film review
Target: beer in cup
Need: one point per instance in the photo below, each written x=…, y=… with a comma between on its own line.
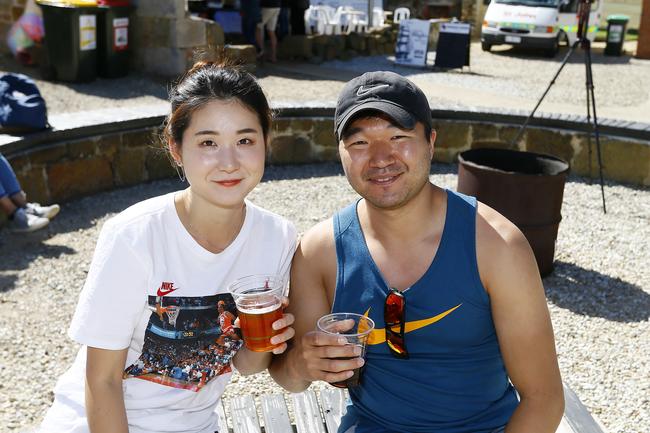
x=259, y=303
x=356, y=330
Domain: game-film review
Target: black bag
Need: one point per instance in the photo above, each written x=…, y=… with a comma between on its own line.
x=22, y=108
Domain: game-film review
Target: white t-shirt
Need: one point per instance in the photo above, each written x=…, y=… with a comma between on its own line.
x=152, y=288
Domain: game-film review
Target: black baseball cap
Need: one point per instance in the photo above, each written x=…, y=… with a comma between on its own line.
x=383, y=91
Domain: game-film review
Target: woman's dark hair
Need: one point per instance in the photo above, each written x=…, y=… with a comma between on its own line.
x=209, y=81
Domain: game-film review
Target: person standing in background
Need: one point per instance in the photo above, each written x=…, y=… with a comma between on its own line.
x=298, y=8
x=270, y=14
x=251, y=15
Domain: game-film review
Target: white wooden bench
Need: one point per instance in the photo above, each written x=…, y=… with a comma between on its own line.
x=324, y=417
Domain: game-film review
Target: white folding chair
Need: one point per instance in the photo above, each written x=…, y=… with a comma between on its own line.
x=377, y=17
x=320, y=20
x=401, y=14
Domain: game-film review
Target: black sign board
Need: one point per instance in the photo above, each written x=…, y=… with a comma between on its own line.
x=452, y=50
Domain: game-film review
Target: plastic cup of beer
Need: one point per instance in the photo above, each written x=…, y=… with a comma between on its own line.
x=356, y=329
x=259, y=303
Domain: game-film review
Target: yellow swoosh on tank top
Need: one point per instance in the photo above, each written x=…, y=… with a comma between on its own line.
x=378, y=336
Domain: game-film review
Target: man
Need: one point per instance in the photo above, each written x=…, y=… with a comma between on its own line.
x=270, y=14
x=452, y=286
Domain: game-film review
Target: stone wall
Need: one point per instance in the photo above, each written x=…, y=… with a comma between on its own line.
x=165, y=38
x=67, y=170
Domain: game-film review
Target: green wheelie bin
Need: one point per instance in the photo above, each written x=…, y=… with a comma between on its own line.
x=616, y=27
x=113, y=40
x=71, y=39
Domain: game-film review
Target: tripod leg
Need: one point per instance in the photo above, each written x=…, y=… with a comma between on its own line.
x=590, y=87
x=530, y=116
x=589, y=147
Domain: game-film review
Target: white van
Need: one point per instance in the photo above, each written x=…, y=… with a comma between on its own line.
x=536, y=23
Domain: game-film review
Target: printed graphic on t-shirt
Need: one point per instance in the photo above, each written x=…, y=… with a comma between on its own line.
x=188, y=341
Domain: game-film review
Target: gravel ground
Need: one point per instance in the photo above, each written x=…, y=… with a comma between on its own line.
x=504, y=79
x=598, y=295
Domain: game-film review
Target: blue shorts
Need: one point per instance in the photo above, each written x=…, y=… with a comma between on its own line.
x=8, y=183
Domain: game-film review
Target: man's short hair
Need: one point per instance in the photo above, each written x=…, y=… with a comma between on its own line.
x=386, y=92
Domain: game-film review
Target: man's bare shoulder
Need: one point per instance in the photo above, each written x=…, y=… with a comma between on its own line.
x=318, y=240
x=499, y=243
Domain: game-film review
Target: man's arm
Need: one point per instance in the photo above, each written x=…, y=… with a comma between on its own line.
x=522, y=321
x=313, y=279
x=104, y=395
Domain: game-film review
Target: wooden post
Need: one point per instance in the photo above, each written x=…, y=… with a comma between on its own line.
x=643, y=44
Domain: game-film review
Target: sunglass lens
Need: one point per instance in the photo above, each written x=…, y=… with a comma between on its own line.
x=394, y=310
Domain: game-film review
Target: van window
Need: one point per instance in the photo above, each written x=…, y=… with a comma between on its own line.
x=572, y=6
x=533, y=3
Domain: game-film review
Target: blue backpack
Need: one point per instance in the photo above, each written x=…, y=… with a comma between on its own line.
x=22, y=108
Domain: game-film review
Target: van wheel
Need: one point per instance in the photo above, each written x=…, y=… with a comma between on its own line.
x=486, y=47
x=552, y=52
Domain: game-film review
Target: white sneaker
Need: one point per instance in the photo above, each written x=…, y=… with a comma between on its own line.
x=23, y=222
x=48, y=212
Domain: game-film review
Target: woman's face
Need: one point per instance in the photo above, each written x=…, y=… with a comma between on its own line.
x=222, y=152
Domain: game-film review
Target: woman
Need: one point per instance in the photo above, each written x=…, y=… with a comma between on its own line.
x=156, y=359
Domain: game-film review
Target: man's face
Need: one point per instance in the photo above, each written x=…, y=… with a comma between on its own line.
x=385, y=164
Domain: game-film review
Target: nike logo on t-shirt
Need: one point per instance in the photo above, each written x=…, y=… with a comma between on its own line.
x=165, y=289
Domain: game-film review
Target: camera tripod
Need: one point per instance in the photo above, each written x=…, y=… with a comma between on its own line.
x=583, y=24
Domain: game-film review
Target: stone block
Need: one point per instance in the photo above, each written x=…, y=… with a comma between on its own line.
x=151, y=32
x=82, y=148
x=550, y=142
x=241, y=54
x=448, y=156
x=214, y=34
x=161, y=61
x=452, y=135
x=323, y=133
x=356, y=42
x=189, y=32
x=484, y=131
x=624, y=161
x=161, y=8
x=51, y=153
x=330, y=52
x=300, y=124
x=290, y=149
x=326, y=154
x=491, y=144
x=35, y=185
x=129, y=166
x=158, y=164
x=20, y=163
x=72, y=179
x=299, y=46
x=108, y=145
x=139, y=138
x=389, y=48
x=508, y=133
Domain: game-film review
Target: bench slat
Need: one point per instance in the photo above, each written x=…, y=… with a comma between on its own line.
x=334, y=407
x=577, y=415
x=308, y=418
x=275, y=414
x=244, y=415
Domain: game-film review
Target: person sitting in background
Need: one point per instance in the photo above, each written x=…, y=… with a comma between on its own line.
x=23, y=216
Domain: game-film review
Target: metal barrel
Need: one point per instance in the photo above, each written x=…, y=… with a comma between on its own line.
x=525, y=187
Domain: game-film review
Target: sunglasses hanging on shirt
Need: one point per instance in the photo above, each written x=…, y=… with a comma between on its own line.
x=394, y=321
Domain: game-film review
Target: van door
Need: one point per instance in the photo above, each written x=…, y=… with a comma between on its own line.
x=568, y=19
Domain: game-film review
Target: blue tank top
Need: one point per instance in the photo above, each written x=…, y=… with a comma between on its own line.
x=455, y=379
